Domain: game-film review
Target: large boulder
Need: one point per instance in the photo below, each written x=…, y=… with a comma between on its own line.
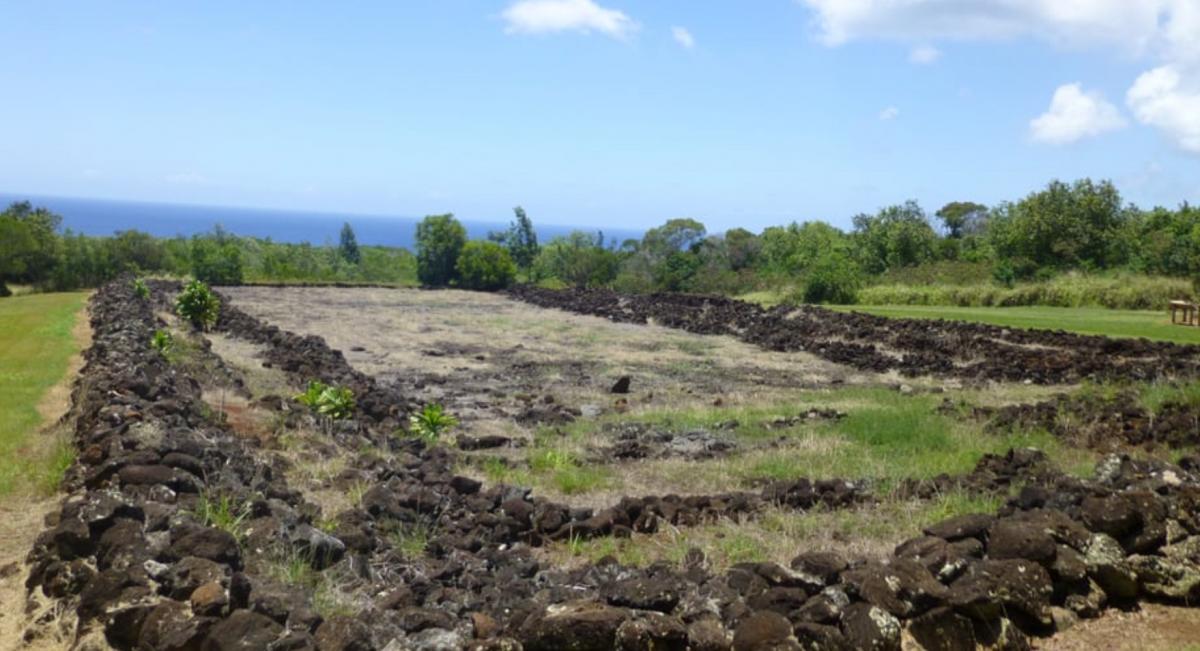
x=902, y=587
x=990, y=588
x=1106, y=564
x=764, y=631
x=242, y=631
x=576, y=626
x=871, y=628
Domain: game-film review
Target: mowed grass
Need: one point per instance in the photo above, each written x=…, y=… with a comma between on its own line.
x=1083, y=320
x=36, y=343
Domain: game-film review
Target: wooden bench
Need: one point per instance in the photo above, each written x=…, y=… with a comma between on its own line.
x=1191, y=312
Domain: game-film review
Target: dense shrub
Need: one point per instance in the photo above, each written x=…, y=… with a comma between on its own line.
x=485, y=266
x=440, y=240
x=216, y=262
x=1063, y=226
x=28, y=244
x=198, y=304
x=579, y=260
x=833, y=278
x=897, y=236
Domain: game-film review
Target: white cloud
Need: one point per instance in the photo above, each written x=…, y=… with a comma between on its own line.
x=1166, y=97
x=889, y=113
x=924, y=55
x=683, y=37
x=1133, y=23
x=1163, y=98
x=547, y=16
x=1075, y=115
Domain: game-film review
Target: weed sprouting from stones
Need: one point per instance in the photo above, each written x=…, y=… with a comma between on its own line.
x=198, y=304
x=410, y=539
x=357, y=490
x=224, y=513
x=140, y=289
x=163, y=342
x=431, y=422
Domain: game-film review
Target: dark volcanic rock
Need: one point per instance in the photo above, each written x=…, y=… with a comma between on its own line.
x=621, y=386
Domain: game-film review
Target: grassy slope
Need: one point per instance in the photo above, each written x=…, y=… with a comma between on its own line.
x=35, y=345
x=1092, y=321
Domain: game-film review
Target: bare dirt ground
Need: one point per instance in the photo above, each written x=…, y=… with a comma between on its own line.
x=1152, y=627
x=542, y=378
x=471, y=349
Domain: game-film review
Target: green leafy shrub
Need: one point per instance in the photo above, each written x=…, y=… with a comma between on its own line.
x=311, y=397
x=163, y=342
x=431, y=422
x=485, y=266
x=198, y=304
x=336, y=403
x=217, y=262
x=140, y=289
x=833, y=278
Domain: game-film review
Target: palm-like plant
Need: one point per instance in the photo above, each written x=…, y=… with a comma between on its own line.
x=431, y=422
x=334, y=403
x=162, y=341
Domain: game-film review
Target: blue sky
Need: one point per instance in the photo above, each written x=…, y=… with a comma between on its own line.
x=600, y=112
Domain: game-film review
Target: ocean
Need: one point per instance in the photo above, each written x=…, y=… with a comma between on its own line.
x=104, y=217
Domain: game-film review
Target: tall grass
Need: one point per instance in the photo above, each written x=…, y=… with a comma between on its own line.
x=1123, y=292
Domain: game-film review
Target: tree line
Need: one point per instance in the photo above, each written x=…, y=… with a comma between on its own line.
x=35, y=251
x=1080, y=226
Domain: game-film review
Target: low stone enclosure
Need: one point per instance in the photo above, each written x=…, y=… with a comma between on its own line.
x=176, y=532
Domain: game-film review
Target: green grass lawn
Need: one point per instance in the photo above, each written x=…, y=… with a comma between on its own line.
x=1084, y=320
x=35, y=345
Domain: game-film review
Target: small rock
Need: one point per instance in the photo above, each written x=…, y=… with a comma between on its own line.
x=621, y=386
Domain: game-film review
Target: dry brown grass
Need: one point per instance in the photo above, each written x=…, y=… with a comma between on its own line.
x=481, y=350
x=777, y=534
x=246, y=357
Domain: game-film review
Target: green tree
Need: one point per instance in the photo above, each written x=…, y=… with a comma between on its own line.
x=956, y=216
x=578, y=260
x=1062, y=226
x=791, y=250
x=742, y=248
x=833, y=278
x=485, y=266
x=896, y=236
x=674, y=236
x=665, y=258
x=440, y=240
x=217, y=260
x=521, y=240
x=28, y=244
x=1163, y=241
x=348, y=245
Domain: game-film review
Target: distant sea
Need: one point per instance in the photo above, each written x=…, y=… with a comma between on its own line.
x=105, y=217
